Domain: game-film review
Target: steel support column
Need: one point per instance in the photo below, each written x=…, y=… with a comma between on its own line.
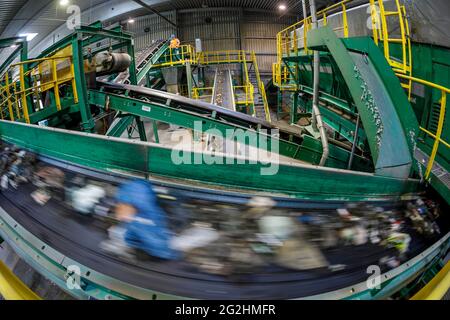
x=80, y=80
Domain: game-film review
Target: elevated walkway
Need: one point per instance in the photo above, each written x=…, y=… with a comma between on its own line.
x=425, y=147
x=223, y=89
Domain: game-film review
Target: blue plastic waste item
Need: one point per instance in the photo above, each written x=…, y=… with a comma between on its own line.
x=148, y=230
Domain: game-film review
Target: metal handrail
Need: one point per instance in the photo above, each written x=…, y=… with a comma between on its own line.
x=288, y=39
x=178, y=56
x=437, y=136
x=18, y=98
x=227, y=56
x=262, y=89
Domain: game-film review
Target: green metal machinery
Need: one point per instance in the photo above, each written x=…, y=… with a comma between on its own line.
x=378, y=150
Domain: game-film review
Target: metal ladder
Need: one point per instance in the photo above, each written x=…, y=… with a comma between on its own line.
x=382, y=34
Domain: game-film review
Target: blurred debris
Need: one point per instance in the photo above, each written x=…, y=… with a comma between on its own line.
x=222, y=238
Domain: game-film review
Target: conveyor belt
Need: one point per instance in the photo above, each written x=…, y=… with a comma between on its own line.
x=142, y=58
x=196, y=105
x=78, y=237
x=192, y=114
x=223, y=89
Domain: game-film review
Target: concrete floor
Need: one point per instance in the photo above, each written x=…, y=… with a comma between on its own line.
x=182, y=139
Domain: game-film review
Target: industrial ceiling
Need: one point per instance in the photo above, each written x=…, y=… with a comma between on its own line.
x=8, y=9
x=43, y=17
x=47, y=15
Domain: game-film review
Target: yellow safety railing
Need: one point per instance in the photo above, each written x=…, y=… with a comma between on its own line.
x=289, y=40
x=43, y=77
x=178, y=56
x=244, y=94
x=198, y=93
x=261, y=88
x=12, y=288
x=282, y=78
x=380, y=26
x=228, y=56
x=187, y=53
x=247, y=87
x=437, y=287
x=249, y=94
x=292, y=41
x=438, y=135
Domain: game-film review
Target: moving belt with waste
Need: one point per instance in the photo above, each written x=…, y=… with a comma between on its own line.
x=58, y=230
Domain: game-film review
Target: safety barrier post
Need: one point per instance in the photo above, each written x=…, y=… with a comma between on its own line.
x=23, y=94
x=56, y=84
x=8, y=93
x=438, y=135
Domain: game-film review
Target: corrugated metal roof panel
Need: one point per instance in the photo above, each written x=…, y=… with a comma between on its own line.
x=8, y=9
x=292, y=5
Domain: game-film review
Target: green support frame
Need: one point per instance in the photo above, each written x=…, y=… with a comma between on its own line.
x=365, y=73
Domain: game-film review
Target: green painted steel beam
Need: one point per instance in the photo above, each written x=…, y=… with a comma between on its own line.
x=300, y=181
x=132, y=76
x=141, y=75
x=67, y=105
x=96, y=34
x=325, y=97
x=54, y=266
x=341, y=125
x=80, y=80
x=155, y=130
x=114, y=47
x=141, y=129
x=121, y=126
x=184, y=119
x=93, y=37
x=21, y=50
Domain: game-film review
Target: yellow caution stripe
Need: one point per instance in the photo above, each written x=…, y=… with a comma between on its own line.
x=12, y=288
x=437, y=287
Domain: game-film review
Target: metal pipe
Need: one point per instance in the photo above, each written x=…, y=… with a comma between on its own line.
x=305, y=16
x=316, y=66
x=355, y=138
x=317, y=117
x=305, y=13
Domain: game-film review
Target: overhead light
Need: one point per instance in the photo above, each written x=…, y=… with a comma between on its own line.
x=30, y=36
x=63, y=2
x=131, y=20
x=282, y=7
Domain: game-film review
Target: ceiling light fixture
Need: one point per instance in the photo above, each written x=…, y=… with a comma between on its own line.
x=63, y=2
x=29, y=36
x=282, y=7
x=131, y=20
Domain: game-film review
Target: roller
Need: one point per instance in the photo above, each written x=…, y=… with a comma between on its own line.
x=110, y=63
